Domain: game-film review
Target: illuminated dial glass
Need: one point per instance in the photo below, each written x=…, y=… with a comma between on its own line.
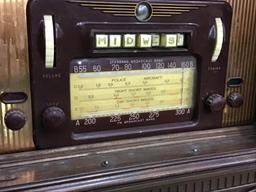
x=137, y=91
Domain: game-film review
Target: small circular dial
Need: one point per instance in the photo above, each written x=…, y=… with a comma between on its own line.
x=235, y=100
x=215, y=103
x=15, y=119
x=53, y=117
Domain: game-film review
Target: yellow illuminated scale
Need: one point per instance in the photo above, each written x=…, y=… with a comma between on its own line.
x=123, y=92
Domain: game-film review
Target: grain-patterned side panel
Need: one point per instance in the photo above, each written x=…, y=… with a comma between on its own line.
x=242, y=57
x=14, y=72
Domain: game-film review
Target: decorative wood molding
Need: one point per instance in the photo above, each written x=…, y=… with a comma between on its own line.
x=138, y=163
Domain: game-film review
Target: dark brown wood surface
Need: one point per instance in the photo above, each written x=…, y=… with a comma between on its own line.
x=139, y=164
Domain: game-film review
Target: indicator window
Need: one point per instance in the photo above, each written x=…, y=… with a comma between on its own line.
x=235, y=82
x=109, y=93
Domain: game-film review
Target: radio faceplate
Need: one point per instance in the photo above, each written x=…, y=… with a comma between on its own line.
x=14, y=63
x=101, y=75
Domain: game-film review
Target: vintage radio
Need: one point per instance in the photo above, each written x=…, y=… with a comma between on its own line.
x=78, y=71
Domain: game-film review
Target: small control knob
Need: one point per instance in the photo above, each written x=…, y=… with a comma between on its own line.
x=235, y=100
x=215, y=102
x=15, y=119
x=53, y=117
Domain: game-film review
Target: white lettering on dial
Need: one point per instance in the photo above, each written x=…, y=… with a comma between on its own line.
x=90, y=121
x=115, y=118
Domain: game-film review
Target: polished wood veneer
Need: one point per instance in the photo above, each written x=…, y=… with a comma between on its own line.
x=217, y=159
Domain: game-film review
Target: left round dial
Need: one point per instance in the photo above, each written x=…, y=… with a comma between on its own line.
x=15, y=119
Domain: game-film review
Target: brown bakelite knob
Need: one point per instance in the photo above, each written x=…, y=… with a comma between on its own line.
x=215, y=103
x=235, y=100
x=53, y=117
x=15, y=119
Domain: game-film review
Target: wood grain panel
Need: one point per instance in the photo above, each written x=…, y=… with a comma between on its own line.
x=14, y=72
x=242, y=56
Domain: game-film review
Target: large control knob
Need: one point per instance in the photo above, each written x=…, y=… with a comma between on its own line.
x=15, y=119
x=215, y=102
x=53, y=117
x=235, y=100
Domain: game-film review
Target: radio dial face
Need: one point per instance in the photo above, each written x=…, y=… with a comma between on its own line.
x=53, y=117
x=125, y=92
x=125, y=74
